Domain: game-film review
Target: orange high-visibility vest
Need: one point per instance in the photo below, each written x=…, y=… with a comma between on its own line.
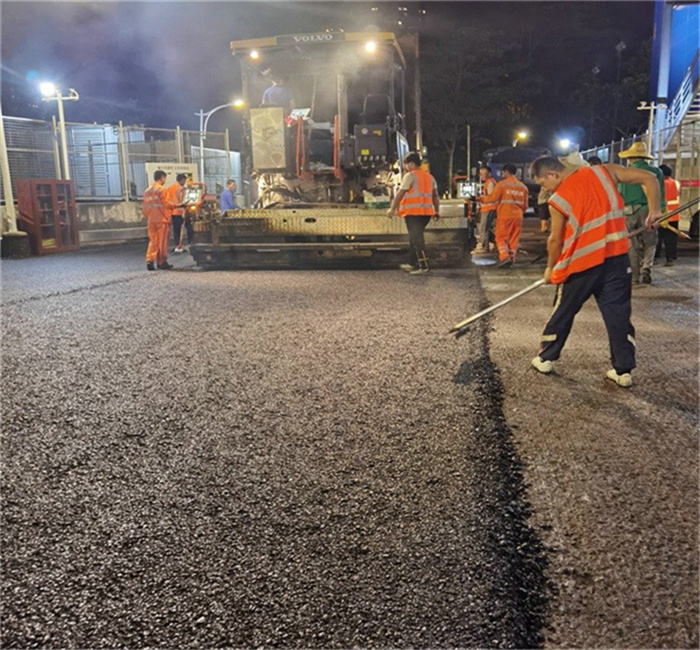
x=595, y=223
x=486, y=189
x=174, y=195
x=509, y=199
x=155, y=205
x=673, y=201
x=418, y=201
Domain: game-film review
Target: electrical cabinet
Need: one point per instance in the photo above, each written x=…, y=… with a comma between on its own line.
x=47, y=213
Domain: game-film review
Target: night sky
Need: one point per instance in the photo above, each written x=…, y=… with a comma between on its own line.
x=157, y=63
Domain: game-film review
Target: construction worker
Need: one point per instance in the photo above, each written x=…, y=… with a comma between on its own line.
x=416, y=201
x=487, y=216
x=175, y=195
x=509, y=198
x=228, y=197
x=587, y=254
x=157, y=211
x=278, y=94
x=543, y=208
x=668, y=238
x=636, y=210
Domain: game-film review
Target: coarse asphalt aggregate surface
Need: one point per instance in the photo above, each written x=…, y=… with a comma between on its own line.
x=256, y=458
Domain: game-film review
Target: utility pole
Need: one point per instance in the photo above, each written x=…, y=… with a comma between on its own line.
x=469, y=152
x=417, y=98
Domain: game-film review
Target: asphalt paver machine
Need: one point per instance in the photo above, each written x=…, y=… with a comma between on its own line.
x=320, y=171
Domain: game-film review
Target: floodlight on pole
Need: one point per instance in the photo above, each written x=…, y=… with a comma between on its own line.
x=371, y=47
x=50, y=93
x=203, y=121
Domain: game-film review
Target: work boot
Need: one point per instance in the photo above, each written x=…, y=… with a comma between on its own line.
x=669, y=263
x=545, y=367
x=504, y=264
x=150, y=267
x=624, y=380
x=408, y=268
x=646, y=276
x=165, y=267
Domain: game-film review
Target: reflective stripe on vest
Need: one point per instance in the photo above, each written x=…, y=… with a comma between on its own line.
x=671, y=189
x=153, y=206
x=418, y=201
x=513, y=201
x=488, y=186
x=595, y=227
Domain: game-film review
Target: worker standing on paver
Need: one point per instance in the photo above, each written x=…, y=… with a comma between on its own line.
x=643, y=246
x=417, y=201
x=156, y=210
x=509, y=198
x=588, y=255
x=487, y=216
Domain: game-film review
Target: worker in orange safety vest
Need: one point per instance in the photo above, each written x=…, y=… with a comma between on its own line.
x=587, y=255
x=509, y=198
x=175, y=195
x=487, y=215
x=668, y=238
x=156, y=210
x=417, y=201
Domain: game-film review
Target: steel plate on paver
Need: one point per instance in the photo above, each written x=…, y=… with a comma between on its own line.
x=326, y=221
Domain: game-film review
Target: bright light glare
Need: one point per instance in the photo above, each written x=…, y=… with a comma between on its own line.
x=565, y=143
x=238, y=103
x=47, y=89
x=522, y=135
x=254, y=54
x=370, y=46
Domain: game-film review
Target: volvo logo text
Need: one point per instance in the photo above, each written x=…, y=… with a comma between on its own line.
x=313, y=38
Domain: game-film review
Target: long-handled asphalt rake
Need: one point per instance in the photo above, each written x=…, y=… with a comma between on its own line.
x=460, y=329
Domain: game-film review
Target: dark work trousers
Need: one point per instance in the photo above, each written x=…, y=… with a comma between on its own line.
x=176, y=223
x=189, y=229
x=669, y=240
x=611, y=284
x=416, y=225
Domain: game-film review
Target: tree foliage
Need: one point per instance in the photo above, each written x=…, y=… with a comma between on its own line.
x=473, y=76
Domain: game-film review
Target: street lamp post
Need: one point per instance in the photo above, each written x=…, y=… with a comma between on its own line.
x=203, y=121
x=51, y=93
x=520, y=135
x=652, y=107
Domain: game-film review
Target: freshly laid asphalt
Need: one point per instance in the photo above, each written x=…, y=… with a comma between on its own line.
x=611, y=473
x=307, y=459
x=256, y=458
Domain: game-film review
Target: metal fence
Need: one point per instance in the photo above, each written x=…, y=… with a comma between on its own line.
x=683, y=149
x=108, y=162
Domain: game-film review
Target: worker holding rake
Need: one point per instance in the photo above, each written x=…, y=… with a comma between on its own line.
x=587, y=255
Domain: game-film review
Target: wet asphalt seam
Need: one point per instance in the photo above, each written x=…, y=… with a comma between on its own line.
x=57, y=294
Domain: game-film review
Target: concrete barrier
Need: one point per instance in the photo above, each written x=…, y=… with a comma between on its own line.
x=112, y=235
x=108, y=223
